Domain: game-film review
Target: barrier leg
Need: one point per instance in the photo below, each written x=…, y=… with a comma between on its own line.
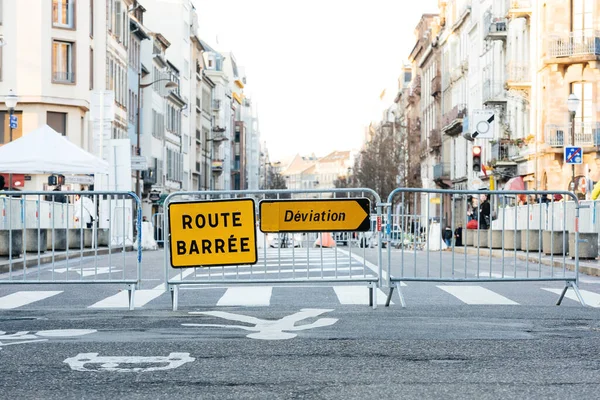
x=389, y=296
x=577, y=293
x=562, y=295
x=174, y=296
x=370, y=295
x=131, y=295
x=402, y=302
x=373, y=295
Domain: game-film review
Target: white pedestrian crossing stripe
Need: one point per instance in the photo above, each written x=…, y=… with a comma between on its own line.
x=248, y=296
x=357, y=295
x=19, y=299
x=591, y=299
x=477, y=295
x=121, y=299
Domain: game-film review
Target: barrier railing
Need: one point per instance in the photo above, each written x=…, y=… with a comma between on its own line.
x=448, y=217
x=70, y=238
x=306, y=256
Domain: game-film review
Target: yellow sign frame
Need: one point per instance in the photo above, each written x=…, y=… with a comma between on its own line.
x=226, y=238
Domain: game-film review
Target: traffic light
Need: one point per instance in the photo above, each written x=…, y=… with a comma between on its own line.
x=477, y=158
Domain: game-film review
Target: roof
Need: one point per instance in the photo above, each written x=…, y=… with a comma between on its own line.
x=299, y=164
x=336, y=156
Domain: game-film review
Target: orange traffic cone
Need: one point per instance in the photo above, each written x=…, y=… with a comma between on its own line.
x=325, y=240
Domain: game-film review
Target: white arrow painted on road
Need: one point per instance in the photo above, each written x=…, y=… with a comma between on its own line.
x=112, y=364
x=88, y=271
x=270, y=329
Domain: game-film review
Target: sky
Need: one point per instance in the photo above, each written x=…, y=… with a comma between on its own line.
x=315, y=68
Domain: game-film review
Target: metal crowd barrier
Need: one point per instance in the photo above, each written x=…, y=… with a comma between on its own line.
x=286, y=258
x=52, y=238
x=519, y=236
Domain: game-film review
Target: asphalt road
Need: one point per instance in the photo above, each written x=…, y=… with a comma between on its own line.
x=459, y=340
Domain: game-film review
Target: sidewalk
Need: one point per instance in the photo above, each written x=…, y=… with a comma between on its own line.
x=587, y=267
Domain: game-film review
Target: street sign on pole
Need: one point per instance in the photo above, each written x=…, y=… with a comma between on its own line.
x=573, y=155
x=13, y=121
x=215, y=232
x=483, y=124
x=319, y=215
x=139, y=163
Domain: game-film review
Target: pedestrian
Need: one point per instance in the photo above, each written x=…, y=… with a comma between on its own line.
x=484, y=211
x=458, y=236
x=2, y=183
x=84, y=210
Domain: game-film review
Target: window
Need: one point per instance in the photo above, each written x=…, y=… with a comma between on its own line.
x=583, y=91
x=57, y=121
x=5, y=131
x=581, y=16
x=63, y=13
x=158, y=125
x=62, y=62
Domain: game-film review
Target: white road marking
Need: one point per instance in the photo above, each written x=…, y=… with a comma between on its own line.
x=476, y=295
x=89, y=271
x=121, y=299
x=270, y=329
x=56, y=333
x=591, y=299
x=366, y=263
x=257, y=270
x=248, y=296
x=358, y=295
x=111, y=364
x=19, y=299
x=182, y=275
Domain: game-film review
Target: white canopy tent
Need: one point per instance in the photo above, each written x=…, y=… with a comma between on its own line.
x=45, y=151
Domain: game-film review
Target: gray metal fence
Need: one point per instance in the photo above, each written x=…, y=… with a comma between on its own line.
x=310, y=258
x=453, y=236
x=158, y=222
x=70, y=238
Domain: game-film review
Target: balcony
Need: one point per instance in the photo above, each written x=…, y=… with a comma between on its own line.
x=587, y=134
x=219, y=129
x=435, y=139
x=63, y=77
x=493, y=92
x=520, y=9
x=574, y=47
x=452, y=120
x=436, y=86
x=441, y=175
x=496, y=28
x=217, y=166
x=503, y=152
x=518, y=75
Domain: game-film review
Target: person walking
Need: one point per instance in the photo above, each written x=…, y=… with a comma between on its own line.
x=84, y=210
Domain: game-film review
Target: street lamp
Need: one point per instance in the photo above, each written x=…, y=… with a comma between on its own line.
x=573, y=105
x=170, y=86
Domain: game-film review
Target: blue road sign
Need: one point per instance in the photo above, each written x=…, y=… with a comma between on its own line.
x=13, y=121
x=573, y=155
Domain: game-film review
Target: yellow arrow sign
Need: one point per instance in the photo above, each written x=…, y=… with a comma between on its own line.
x=319, y=215
x=216, y=232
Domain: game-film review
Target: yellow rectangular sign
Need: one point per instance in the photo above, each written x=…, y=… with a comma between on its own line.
x=207, y=233
x=315, y=215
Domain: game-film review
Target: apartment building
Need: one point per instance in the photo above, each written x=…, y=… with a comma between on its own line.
x=567, y=62
x=46, y=60
x=222, y=119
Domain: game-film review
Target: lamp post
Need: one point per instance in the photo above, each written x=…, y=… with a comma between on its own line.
x=11, y=103
x=170, y=86
x=573, y=105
